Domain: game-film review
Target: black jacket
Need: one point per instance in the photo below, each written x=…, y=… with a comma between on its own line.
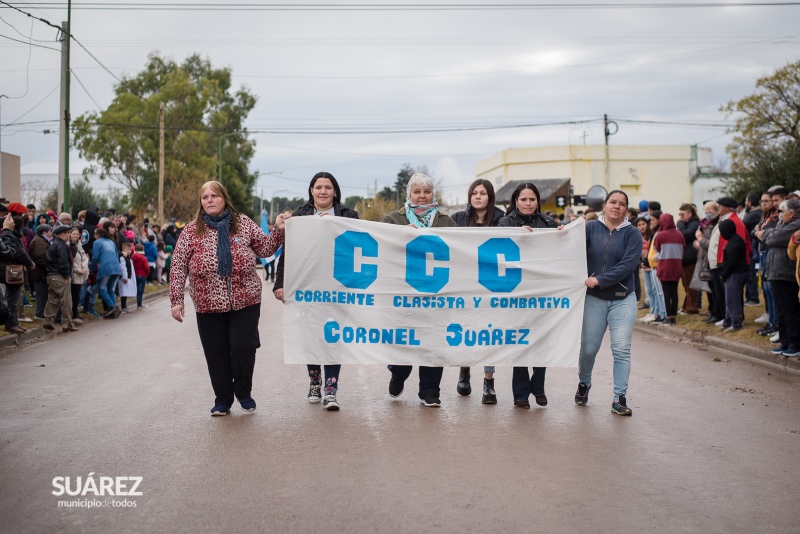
x=537, y=220
x=7, y=248
x=339, y=210
x=89, y=226
x=734, y=256
x=20, y=256
x=688, y=229
x=462, y=217
x=59, y=259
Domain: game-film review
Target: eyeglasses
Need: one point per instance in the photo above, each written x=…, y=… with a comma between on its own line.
x=766, y=202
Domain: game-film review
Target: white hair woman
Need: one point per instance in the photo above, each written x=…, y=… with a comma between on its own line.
x=419, y=211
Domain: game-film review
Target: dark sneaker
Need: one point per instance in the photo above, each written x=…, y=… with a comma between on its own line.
x=248, y=404
x=395, y=388
x=776, y=350
x=220, y=409
x=620, y=407
x=48, y=326
x=110, y=314
x=314, y=392
x=582, y=395
x=522, y=404
x=329, y=403
x=791, y=353
x=432, y=401
x=659, y=320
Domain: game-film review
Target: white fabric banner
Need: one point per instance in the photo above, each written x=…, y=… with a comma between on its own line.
x=375, y=293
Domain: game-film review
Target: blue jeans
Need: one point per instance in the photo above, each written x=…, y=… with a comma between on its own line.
x=656, y=294
x=769, y=296
x=618, y=316
x=106, y=287
x=141, y=281
x=648, y=288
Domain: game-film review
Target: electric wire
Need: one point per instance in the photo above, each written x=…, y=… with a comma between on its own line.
x=30, y=44
x=263, y=6
x=34, y=107
x=85, y=90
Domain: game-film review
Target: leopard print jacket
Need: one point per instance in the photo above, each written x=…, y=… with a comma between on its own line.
x=196, y=256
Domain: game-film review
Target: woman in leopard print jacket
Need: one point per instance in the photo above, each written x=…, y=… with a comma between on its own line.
x=218, y=252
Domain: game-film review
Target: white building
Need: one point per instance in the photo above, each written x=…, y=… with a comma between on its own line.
x=670, y=174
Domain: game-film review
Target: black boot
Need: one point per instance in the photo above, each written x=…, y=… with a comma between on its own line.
x=489, y=396
x=463, y=382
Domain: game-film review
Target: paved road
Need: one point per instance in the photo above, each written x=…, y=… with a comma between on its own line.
x=711, y=447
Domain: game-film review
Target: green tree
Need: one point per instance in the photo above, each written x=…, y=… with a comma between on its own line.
x=351, y=201
x=200, y=108
x=765, y=149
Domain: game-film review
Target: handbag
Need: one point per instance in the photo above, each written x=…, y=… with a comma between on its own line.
x=15, y=275
x=705, y=271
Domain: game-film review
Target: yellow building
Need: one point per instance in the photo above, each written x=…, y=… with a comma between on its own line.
x=666, y=173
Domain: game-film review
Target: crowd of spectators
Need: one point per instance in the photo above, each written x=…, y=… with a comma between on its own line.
x=58, y=267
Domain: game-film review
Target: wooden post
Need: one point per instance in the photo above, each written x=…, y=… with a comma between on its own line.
x=161, y=164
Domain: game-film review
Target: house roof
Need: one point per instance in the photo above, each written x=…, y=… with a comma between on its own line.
x=549, y=188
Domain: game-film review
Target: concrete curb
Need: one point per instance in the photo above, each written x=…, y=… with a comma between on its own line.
x=725, y=346
x=34, y=334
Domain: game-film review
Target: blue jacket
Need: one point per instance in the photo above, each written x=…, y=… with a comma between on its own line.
x=612, y=257
x=105, y=258
x=150, y=252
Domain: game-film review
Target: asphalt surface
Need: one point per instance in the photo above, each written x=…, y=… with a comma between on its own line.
x=712, y=446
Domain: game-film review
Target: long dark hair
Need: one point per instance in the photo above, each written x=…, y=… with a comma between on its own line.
x=648, y=233
x=518, y=191
x=337, y=193
x=488, y=219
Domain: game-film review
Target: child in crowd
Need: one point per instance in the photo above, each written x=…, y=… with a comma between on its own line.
x=161, y=261
x=151, y=253
x=735, y=270
x=141, y=268
x=127, y=284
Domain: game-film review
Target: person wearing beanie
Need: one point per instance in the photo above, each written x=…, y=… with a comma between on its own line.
x=59, y=274
x=669, y=244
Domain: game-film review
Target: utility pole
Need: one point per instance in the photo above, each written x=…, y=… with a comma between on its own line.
x=161, y=163
x=63, y=151
x=607, y=133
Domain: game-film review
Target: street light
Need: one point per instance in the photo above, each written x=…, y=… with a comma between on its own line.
x=268, y=173
x=272, y=204
x=219, y=158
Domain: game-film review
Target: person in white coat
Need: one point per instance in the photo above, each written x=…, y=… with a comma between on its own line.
x=126, y=284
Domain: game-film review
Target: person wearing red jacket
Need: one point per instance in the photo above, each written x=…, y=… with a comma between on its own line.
x=669, y=244
x=141, y=268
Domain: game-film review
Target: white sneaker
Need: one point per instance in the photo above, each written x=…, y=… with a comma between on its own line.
x=764, y=319
x=25, y=320
x=645, y=318
x=720, y=323
x=329, y=403
x=776, y=338
x=649, y=318
x=314, y=393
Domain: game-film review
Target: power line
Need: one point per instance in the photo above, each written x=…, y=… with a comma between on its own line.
x=31, y=16
x=22, y=34
x=34, y=107
x=262, y=6
x=30, y=44
x=94, y=58
x=99, y=107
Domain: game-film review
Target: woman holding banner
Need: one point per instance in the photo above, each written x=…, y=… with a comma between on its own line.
x=324, y=198
x=524, y=212
x=419, y=211
x=218, y=252
x=481, y=212
x=613, y=249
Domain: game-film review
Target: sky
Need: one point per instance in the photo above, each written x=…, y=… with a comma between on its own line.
x=490, y=71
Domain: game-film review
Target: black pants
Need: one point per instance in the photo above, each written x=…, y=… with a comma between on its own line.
x=524, y=386
x=787, y=308
x=230, y=340
x=429, y=378
x=269, y=270
x=670, y=297
x=76, y=294
x=12, y=299
x=40, y=286
x=719, y=294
